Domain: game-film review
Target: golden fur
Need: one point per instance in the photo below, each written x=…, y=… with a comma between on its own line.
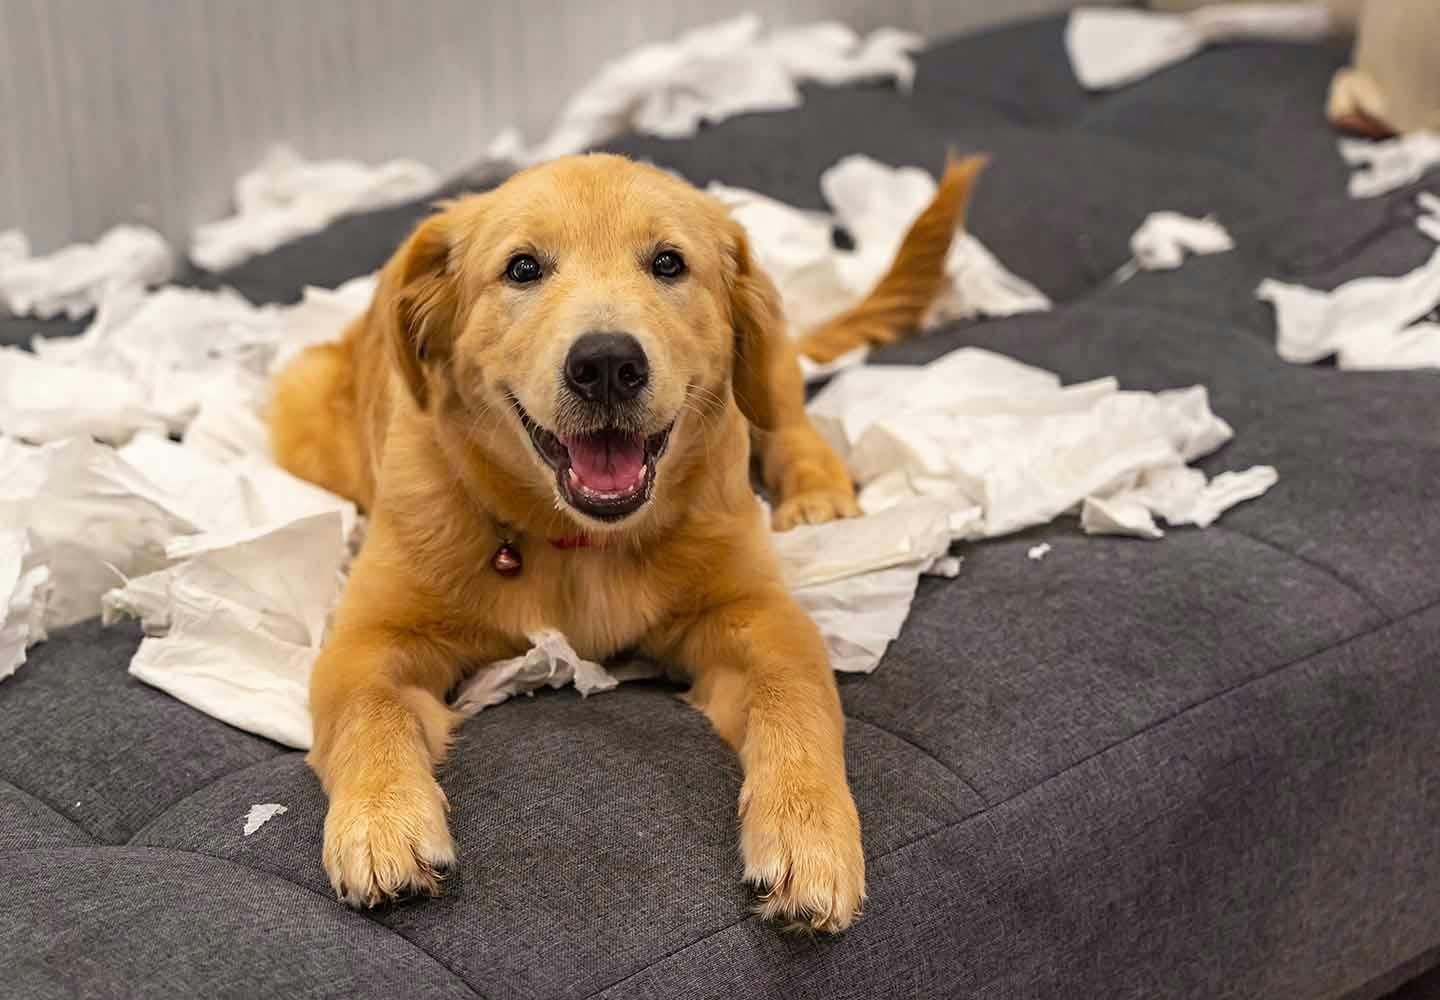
x=414, y=416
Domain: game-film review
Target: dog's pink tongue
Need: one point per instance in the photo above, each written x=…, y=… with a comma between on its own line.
x=607, y=462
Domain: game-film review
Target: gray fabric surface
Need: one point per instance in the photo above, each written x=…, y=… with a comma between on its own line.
x=1201, y=767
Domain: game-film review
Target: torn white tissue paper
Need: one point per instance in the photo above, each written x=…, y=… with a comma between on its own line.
x=1429, y=219
x=1178, y=494
x=262, y=813
x=1365, y=323
x=74, y=280
x=25, y=590
x=92, y=518
x=986, y=434
x=1384, y=166
x=1165, y=238
x=321, y=315
x=176, y=359
x=876, y=204
x=713, y=73
x=46, y=401
x=288, y=196
x=856, y=577
x=98, y=517
x=1111, y=47
x=243, y=617
x=550, y=662
x=1037, y=552
x=168, y=347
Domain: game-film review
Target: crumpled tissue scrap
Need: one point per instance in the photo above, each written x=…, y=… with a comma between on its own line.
x=876, y=204
x=550, y=662
x=1384, y=166
x=73, y=281
x=28, y=588
x=1112, y=47
x=712, y=73
x=1005, y=446
x=1165, y=239
x=262, y=813
x=288, y=196
x=1367, y=323
x=171, y=360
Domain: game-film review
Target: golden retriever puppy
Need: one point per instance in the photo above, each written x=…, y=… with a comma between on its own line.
x=547, y=412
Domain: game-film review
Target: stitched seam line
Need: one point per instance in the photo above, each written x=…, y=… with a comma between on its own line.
x=50, y=808
x=953, y=772
x=933, y=834
x=1354, y=588
x=1298, y=661
x=272, y=876
x=198, y=791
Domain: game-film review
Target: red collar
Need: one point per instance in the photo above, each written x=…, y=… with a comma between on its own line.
x=571, y=542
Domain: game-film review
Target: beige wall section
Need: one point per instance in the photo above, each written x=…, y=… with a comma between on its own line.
x=112, y=110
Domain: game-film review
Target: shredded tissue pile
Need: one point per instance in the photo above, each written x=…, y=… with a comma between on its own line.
x=667, y=89
x=1385, y=166
x=1368, y=323
x=288, y=196
x=713, y=73
x=73, y=281
x=1112, y=47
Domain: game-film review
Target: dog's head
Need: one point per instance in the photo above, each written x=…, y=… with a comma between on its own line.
x=579, y=321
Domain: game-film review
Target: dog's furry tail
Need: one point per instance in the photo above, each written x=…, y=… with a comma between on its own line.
x=897, y=305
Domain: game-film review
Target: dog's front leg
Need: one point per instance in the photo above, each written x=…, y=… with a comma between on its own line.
x=762, y=676
x=380, y=727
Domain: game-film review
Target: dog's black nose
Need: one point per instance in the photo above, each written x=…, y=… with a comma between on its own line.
x=606, y=367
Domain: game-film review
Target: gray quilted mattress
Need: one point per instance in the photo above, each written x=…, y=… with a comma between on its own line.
x=1200, y=767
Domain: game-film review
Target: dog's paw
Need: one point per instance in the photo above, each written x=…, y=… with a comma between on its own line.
x=814, y=507
x=802, y=853
x=388, y=845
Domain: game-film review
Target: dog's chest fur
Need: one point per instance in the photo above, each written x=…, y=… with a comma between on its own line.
x=598, y=598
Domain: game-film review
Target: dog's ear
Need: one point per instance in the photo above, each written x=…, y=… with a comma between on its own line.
x=417, y=303
x=759, y=323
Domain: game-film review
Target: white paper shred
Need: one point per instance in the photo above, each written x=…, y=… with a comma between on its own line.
x=712, y=73
x=1112, y=47
x=550, y=662
x=1428, y=220
x=92, y=518
x=1010, y=446
x=1368, y=323
x=73, y=281
x=176, y=360
x=1164, y=239
x=242, y=622
x=288, y=196
x=262, y=813
x=26, y=588
x=876, y=204
x=1384, y=166
x=1037, y=552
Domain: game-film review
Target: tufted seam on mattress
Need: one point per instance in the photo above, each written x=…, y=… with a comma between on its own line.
x=1291, y=664
x=1299, y=661
x=929, y=755
x=52, y=809
x=262, y=873
x=1371, y=601
x=212, y=782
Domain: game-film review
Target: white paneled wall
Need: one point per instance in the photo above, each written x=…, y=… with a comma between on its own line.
x=112, y=110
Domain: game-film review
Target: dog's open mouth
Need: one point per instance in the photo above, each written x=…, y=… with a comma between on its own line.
x=606, y=474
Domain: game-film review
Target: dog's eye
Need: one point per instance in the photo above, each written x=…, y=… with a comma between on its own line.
x=668, y=264
x=523, y=269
